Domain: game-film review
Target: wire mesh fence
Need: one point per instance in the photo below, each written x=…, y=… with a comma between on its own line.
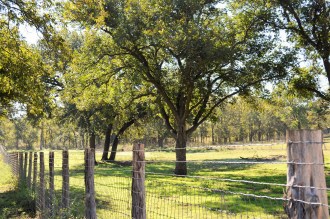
x=221, y=182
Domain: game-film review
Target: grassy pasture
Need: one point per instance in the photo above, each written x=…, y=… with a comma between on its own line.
x=205, y=193
x=15, y=200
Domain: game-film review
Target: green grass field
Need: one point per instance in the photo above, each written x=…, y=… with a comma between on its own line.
x=204, y=193
x=16, y=201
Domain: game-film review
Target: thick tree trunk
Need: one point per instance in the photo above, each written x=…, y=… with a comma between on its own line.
x=299, y=125
x=181, y=142
x=17, y=142
x=42, y=136
x=69, y=139
x=259, y=136
x=251, y=135
x=212, y=133
x=75, y=142
x=92, y=144
x=114, y=148
x=116, y=140
x=82, y=139
x=160, y=140
x=107, y=142
x=327, y=68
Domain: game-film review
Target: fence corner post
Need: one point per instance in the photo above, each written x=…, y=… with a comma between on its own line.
x=306, y=169
x=138, y=178
x=90, y=205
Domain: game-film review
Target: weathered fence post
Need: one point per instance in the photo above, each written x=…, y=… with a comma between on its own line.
x=51, y=184
x=41, y=194
x=90, y=205
x=25, y=166
x=20, y=157
x=305, y=176
x=29, y=171
x=16, y=164
x=138, y=177
x=65, y=180
x=35, y=171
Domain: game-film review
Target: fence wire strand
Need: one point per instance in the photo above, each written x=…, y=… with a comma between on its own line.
x=58, y=182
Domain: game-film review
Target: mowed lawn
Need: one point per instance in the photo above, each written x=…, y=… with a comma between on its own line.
x=214, y=188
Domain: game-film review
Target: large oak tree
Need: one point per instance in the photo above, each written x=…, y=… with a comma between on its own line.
x=193, y=53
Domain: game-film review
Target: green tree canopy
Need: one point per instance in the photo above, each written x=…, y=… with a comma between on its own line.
x=194, y=54
x=21, y=72
x=307, y=27
x=25, y=76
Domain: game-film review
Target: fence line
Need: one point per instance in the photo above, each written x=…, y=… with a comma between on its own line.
x=229, y=162
x=239, y=181
x=144, y=188
x=253, y=195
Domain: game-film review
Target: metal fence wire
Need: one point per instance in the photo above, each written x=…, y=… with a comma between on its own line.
x=141, y=184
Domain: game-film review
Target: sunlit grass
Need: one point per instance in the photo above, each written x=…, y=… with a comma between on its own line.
x=16, y=201
x=7, y=181
x=204, y=193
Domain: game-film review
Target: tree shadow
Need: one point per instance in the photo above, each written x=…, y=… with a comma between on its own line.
x=203, y=183
x=219, y=197
x=17, y=203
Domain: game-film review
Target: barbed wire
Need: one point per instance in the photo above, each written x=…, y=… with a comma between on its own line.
x=253, y=195
x=230, y=162
x=237, y=181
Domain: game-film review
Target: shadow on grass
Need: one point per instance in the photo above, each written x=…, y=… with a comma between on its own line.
x=208, y=192
x=17, y=203
x=195, y=167
x=217, y=196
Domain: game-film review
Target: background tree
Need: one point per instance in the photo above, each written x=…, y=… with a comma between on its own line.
x=307, y=27
x=96, y=86
x=24, y=76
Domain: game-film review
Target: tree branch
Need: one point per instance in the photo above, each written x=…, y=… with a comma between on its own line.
x=287, y=5
x=166, y=118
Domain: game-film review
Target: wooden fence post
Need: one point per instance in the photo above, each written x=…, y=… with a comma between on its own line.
x=306, y=169
x=25, y=166
x=16, y=164
x=65, y=180
x=42, y=184
x=51, y=184
x=29, y=171
x=35, y=171
x=20, y=157
x=90, y=205
x=138, y=177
